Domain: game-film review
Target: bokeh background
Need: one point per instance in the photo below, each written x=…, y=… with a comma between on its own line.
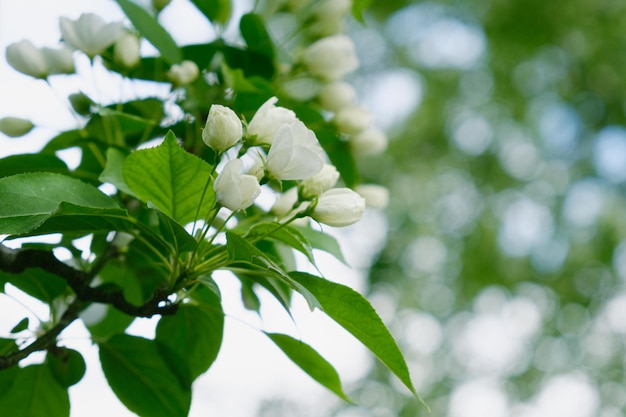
x=500, y=262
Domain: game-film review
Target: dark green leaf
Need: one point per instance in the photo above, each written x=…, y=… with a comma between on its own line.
x=217, y=11
x=64, y=140
x=17, y=164
x=191, y=339
x=173, y=180
x=150, y=28
x=6, y=346
x=175, y=234
x=355, y=314
x=285, y=234
x=142, y=379
x=34, y=393
x=67, y=365
x=22, y=325
x=29, y=199
x=322, y=241
x=255, y=34
x=310, y=362
x=37, y=283
x=340, y=155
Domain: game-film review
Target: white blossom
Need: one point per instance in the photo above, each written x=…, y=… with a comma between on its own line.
x=89, y=33
x=285, y=202
x=184, y=73
x=339, y=207
x=223, y=128
x=294, y=154
x=234, y=190
x=320, y=182
x=331, y=58
x=375, y=196
x=59, y=61
x=353, y=119
x=26, y=58
x=267, y=120
x=371, y=141
x=336, y=95
x=126, y=50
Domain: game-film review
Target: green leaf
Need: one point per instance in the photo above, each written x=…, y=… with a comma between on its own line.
x=355, y=314
x=142, y=379
x=67, y=365
x=173, y=180
x=37, y=283
x=150, y=28
x=6, y=346
x=191, y=339
x=29, y=199
x=217, y=11
x=322, y=241
x=240, y=250
x=17, y=164
x=34, y=393
x=112, y=172
x=310, y=362
x=114, y=322
x=358, y=7
x=253, y=31
x=22, y=325
x=175, y=234
x=285, y=234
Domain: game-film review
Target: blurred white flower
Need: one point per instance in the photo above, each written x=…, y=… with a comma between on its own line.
x=320, y=182
x=234, y=190
x=184, y=73
x=375, y=196
x=331, y=58
x=294, y=154
x=26, y=58
x=371, y=141
x=328, y=9
x=89, y=33
x=339, y=207
x=222, y=129
x=126, y=50
x=285, y=202
x=353, y=119
x=14, y=127
x=267, y=120
x=336, y=95
x=59, y=61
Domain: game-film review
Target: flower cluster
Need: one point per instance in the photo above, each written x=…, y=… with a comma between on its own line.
x=294, y=153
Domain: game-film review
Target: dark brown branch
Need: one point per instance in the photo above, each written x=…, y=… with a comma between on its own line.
x=15, y=261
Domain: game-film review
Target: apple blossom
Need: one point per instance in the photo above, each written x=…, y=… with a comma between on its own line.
x=126, y=50
x=371, y=141
x=267, y=120
x=336, y=95
x=26, y=58
x=375, y=196
x=234, y=190
x=223, y=128
x=353, y=119
x=320, y=182
x=331, y=58
x=184, y=73
x=285, y=202
x=89, y=33
x=294, y=154
x=339, y=207
x=59, y=61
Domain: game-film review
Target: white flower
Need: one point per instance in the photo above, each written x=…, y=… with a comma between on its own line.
x=336, y=95
x=26, y=58
x=331, y=58
x=89, y=33
x=14, y=127
x=267, y=120
x=375, y=196
x=234, y=190
x=184, y=73
x=328, y=9
x=126, y=50
x=371, y=141
x=222, y=129
x=285, y=202
x=320, y=182
x=294, y=154
x=339, y=207
x=353, y=119
x=59, y=61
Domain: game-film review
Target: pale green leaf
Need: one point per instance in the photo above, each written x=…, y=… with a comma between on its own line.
x=288, y=235
x=322, y=241
x=311, y=362
x=173, y=180
x=142, y=379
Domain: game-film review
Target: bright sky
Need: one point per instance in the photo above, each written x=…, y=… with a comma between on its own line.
x=250, y=368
